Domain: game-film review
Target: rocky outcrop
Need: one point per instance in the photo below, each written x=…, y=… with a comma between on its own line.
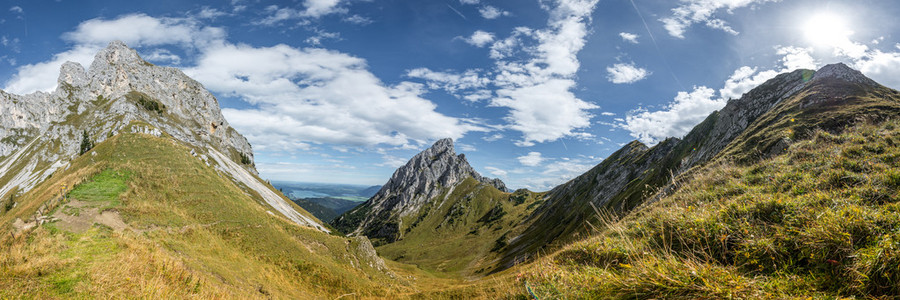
x=424, y=177
x=41, y=132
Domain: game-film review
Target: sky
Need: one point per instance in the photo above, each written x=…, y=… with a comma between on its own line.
x=534, y=92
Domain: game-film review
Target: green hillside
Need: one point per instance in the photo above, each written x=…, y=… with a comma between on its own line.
x=162, y=224
x=821, y=220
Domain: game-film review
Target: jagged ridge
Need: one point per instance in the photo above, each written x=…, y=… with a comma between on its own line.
x=745, y=130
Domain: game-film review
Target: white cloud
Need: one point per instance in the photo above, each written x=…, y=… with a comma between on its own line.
x=42, y=76
x=319, y=96
x=507, y=47
x=466, y=147
x=797, y=58
x=210, y=13
x=746, y=78
x=629, y=37
x=392, y=161
x=536, y=86
x=676, y=119
x=490, y=12
x=480, y=38
x=318, y=8
x=163, y=56
x=16, y=9
x=138, y=30
x=492, y=138
x=357, y=19
x=691, y=12
x=90, y=36
x=608, y=114
x=470, y=2
x=538, y=91
x=312, y=9
x=496, y=171
x=743, y=80
x=453, y=83
x=533, y=159
x=626, y=73
x=883, y=67
x=554, y=173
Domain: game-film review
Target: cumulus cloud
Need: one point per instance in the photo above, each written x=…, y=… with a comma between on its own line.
x=480, y=38
x=676, y=119
x=320, y=96
x=746, y=78
x=470, y=2
x=743, y=80
x=691, y=12
x=794, y=58
x=312, y=95
x=629, y=37
x=883, y=67
x=535, y=74
x=625, y=73
x=538, y=91
x=490, y=12
x=42, y=76
x=162, y=56
x=138, y=30
x=533, y=159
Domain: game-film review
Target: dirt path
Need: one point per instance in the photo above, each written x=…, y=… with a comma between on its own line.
x=78, y=216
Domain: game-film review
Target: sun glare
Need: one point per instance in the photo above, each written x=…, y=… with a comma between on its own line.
x=827, y=29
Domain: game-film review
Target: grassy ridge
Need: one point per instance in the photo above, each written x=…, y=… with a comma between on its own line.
x=821, y=220
x=193, y=234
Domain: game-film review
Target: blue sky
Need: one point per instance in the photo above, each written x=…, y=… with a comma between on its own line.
x=534, y=92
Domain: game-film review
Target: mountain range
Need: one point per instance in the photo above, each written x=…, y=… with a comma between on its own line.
x=127, y=180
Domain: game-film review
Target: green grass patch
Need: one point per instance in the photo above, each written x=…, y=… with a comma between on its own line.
x=104, y=187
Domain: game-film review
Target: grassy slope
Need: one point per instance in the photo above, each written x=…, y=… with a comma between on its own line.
x=820, y=220
x=195, y=234
x=461, y=235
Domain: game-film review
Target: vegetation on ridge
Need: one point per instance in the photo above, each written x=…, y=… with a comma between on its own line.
x=821, y=220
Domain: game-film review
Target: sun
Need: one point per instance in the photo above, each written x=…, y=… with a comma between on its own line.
x=827, y=29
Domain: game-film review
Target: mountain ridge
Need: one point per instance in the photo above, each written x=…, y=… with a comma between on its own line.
x=43, y=131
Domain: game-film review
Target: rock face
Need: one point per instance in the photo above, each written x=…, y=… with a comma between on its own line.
x=424, y=177
x=41, y=132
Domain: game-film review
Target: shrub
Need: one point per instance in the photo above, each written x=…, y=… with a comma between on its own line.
x=245, y=159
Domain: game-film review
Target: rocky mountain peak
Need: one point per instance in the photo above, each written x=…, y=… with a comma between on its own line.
x=842, y=72
x=116, y=53
x=426, y=176
x=73, y=74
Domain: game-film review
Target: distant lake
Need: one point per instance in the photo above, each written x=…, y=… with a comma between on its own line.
x=306, y=194
x=300, y=190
